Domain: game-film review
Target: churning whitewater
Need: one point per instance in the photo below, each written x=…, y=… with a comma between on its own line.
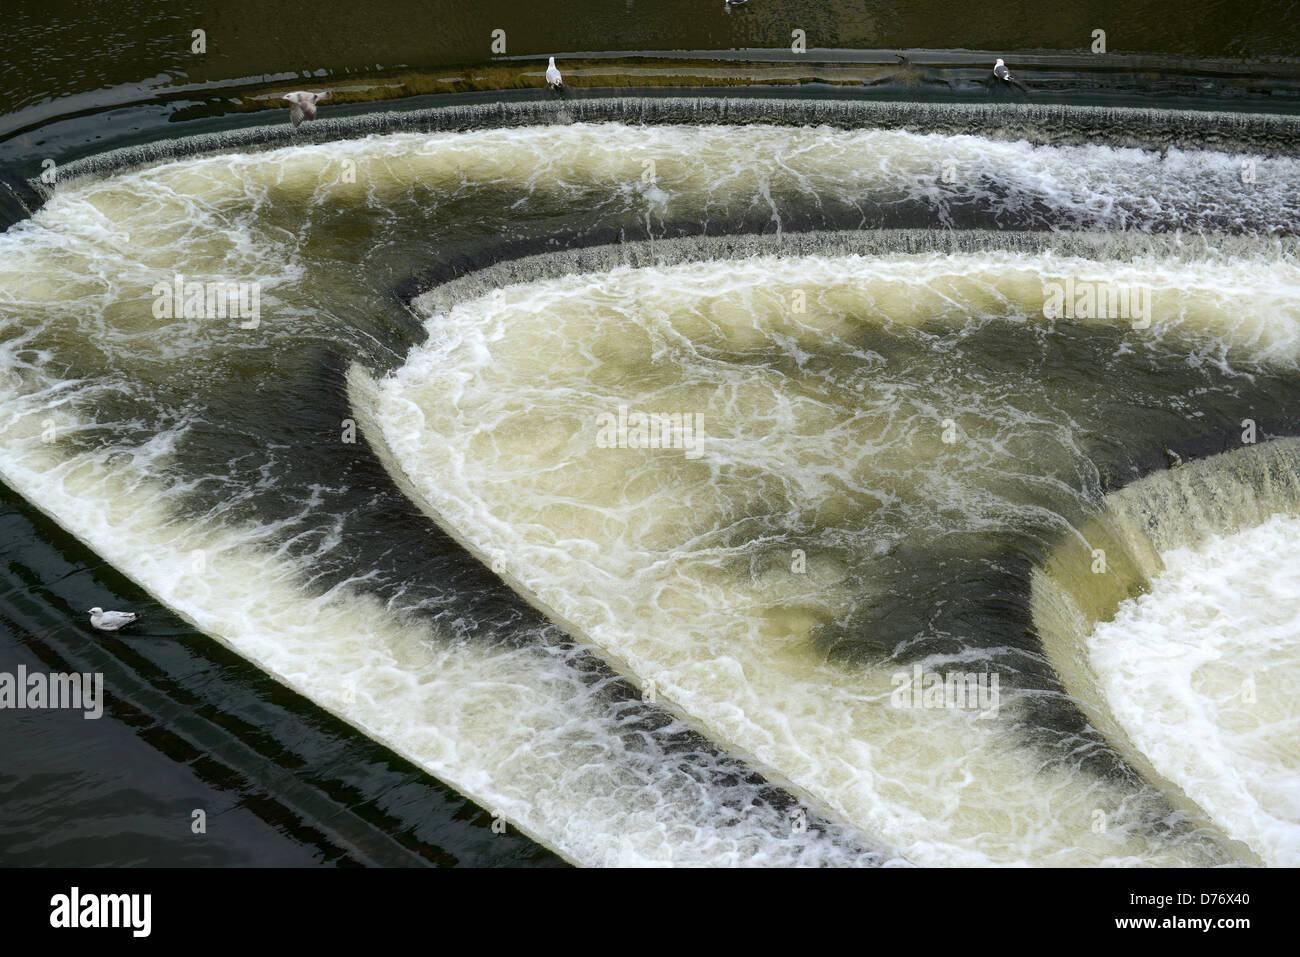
x=1211, y=649
x=645, y=523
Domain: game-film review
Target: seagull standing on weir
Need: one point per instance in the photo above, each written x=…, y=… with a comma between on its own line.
x=1001, y=72
x=553, y=77
x=302, y=105
x=111, y=620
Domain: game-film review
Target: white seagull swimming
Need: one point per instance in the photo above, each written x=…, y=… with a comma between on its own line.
x=1001, y=72
x=111, y=620
x=302, y=105
x=553, y=75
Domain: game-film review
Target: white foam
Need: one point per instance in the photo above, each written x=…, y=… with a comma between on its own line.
x=1203, y=673
x=514, y=729
x=493, y=424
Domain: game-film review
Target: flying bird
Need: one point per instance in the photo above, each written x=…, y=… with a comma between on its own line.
x=302, y=105
x=553, y=75
x=1001, y=72
x=111, y=620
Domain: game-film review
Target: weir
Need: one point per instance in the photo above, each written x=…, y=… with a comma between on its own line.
x=179, y=433
x=1121, y=127
x=535, y=290
x=1167, y=511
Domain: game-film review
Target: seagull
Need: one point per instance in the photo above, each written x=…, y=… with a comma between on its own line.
x=302, y=105
x=1001, y=72
x=111, y=620
x=553, y=75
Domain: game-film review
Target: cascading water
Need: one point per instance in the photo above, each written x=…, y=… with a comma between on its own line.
x=892, y=447
x=1182, y=649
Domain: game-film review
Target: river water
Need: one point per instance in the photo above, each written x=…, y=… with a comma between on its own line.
x=408, y=567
